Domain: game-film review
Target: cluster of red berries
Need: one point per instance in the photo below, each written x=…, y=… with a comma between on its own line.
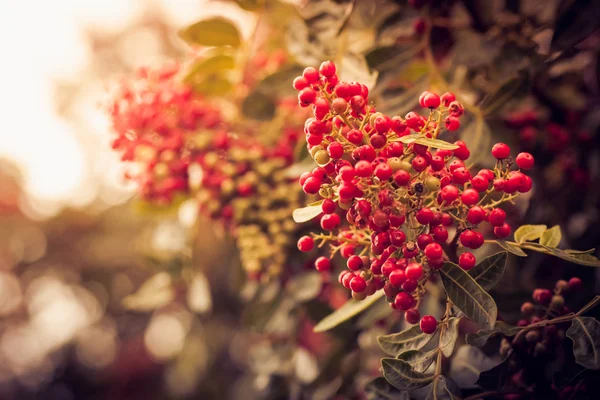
x=400, y=188
x=153, y=117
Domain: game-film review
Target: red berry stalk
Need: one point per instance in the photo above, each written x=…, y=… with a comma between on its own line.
x=400, y=189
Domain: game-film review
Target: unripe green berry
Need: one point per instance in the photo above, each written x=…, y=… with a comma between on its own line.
x=321, y=157
x=314, y=150
x=557, y=302
x=432, y=183
x=359, y=296
x=406, y=166
x=395, y=163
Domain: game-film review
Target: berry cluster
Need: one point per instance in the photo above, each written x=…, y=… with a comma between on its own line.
x=400, y=188
x=153, y=117
x=533, y=348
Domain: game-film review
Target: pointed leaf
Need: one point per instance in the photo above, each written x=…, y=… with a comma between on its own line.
x=259, y=106
x=551, y=237
x=448, y=339
x=408, y=139
x=208, y=66
x=582, y=258
x=305, y=286
x=585, y=334
x=440, y=389
x=495, y=377
x=480, y=338
x=529, y=232
x=380, y=389
x=574, y=24
x=401, y=375
x=348, y=310
x=211, y=32
x=489, y=271
x=436, y=143
x=419, y=360
x=468, y=296
x=411, y=339
x=306, y=213
x=508, y=246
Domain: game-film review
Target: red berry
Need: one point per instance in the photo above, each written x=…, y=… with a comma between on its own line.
x=397, y=277
x=355, y=137
x=462, y=152
x=383, y=171
x=354, y=263
x=428, y=324
x=300, y=83
x=306, y=243
x=363, y=169
x=311, y=75
x=447, y=98
x=497, y=217
x=410, y=285
x=439, y=233
x=502, y=231
x=339, y=105
x=330, y=221
x=414, y=271
x=433, y=250
x=524, y=160
x=475, y=215
x=423, y=240
x=383, y=124
x=323, y=264
x=347, y=251
x=449, y=193
x=327, y=69
x=487, y=174
x=542, y=296
x=455, y=109
x=424, y=216
x=461, y=175
x=452, y=123
x=480, y=183
x=346, y=279
x=466, y=261
x=412, y=316
x=328, y=206
x=397, y=238
x=358, y=284
x=431, y=100
x=401, y=177
x=500, y=151
x=404, y=301
x=306, y=97
x=419, y=163
x=575, y=284
x=469, y=197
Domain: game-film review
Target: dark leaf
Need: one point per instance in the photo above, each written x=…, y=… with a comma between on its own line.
x=585, y=334
x=505, y=92
x=448, y=339
x=495, y=378
x=350, y=309
x=576, y=22
x=411, y=339
x=419, y=360
x=468, y=296
x=482, y=13
x=211, y=32
x=489, y=271
x=401, y=375
x=258, y=106
x=582, y=258
x=480, y=338
x=380, y=389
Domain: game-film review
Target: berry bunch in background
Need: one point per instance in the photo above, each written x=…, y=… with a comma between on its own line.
x=397, y=201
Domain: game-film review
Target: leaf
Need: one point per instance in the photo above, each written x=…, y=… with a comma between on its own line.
x=211, y=32
x=280, y=83
x=526, y=233
x=495, y=377
x=551, y=237
x=575, y=23
x=213, y=86
x=482, y=12
x=259, y=106
x=380, y=389
x=408, y=139
x=380, y=310
x=481, y=337
x=208, y=66
x=350, y=309
x=478, y=137
x=419, y=360
x=198, y=295
x=154, y=293
x=306, y=213
x=468, y=296
x=585, y=334
x=507, y=91
x=305, y=286
x=401, y=375
x=448, y=339
x=511, y=248
x=571, y=251
x=442, y=388
x=489, y=271
x=411, y=339
x=436, y=143
x=582, y=258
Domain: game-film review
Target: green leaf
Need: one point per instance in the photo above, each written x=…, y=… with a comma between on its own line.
x=280, y=83
x=380, y=389
x=551, y=237
x=436, y=143
x=448, y=339
x=468, y=296
x=419, y=360
x=480, y=338
x=582, y=258
x=209, y=66
x=259, y=106
x=380, y=310
x=585, y=334
x=571, y=251
x=401, y=375
x=478, y=137
x=350, y=309
x=529, y=232
x=211, y=32
x=306, y=213
x=408, y=139
x=489, y=271
x=516, y=250
x=411, y=339
x=213, y=86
